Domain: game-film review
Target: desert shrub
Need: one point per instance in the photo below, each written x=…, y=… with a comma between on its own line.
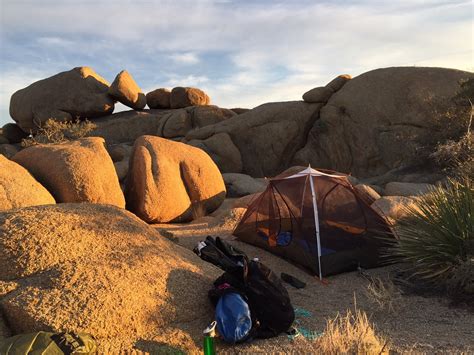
x=351, y=333
x=456, y=156
x=53, y=132
x=436, y=239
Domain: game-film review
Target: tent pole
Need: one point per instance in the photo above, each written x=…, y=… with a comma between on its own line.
x=316, y=223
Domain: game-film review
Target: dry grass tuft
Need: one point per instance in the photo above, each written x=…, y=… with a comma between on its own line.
x=384, y=294
x=351, y=333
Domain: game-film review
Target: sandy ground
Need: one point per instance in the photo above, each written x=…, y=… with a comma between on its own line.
x=415, y=324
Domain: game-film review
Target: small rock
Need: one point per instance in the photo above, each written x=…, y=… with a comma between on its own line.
x=406, y=189
x=338, y=82
x=238, y=185
x=184, y=96
x=159, y=98
x=127, y=91
x=317, y=95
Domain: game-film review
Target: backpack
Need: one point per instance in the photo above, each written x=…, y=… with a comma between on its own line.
x=48, y=344
x=270, y=307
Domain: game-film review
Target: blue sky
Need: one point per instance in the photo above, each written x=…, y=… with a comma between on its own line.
x=243, y=53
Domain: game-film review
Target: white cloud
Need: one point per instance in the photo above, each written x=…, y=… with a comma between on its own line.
x=189, y=80
x=185, y=58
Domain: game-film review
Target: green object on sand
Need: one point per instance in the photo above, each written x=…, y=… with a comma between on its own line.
x=209, y=347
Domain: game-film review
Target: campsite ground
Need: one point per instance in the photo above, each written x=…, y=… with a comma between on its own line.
x=414, y=323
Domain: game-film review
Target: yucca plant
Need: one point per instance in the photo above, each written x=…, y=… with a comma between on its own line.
x=436, y=239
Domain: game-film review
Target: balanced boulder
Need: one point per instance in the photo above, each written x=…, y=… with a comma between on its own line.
x=171, y=181
x=76, y=171
x=125, y=90
x=80, y=92
x=99, y=269
x=184, y=97
x=159, y=98
x=18, y=188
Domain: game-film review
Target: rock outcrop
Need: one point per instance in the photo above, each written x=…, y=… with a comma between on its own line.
x=183, y=97
x=77, y=171
x=381, y=119
x=125, y=90
x=266, y=137
x=171, y=182
x=80, y=92
x=99, y=269
x=127, y=126
x=18, y=188
x=159, y=98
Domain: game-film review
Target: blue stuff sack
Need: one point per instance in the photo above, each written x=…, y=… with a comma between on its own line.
x=233, y=318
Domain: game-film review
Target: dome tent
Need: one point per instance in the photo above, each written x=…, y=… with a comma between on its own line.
x=316, y=219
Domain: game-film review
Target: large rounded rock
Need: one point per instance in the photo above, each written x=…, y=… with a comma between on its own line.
x=80, y=92
x=18, y=188
x=170, y=181
x=125, y=90
x=99, y=269
x=77, y=171
x=383, y=119
x=159, y=98
x=183, y=97
x=13, y=133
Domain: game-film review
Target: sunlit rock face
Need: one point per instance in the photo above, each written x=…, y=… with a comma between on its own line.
x=171, y=182
x=79, y=92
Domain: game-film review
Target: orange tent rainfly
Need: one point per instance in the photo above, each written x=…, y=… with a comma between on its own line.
x=318, y=220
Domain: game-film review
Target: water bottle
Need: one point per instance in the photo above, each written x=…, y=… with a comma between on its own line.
x=209, y=334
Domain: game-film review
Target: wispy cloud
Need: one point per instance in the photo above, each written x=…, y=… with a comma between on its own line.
x=185, y=58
